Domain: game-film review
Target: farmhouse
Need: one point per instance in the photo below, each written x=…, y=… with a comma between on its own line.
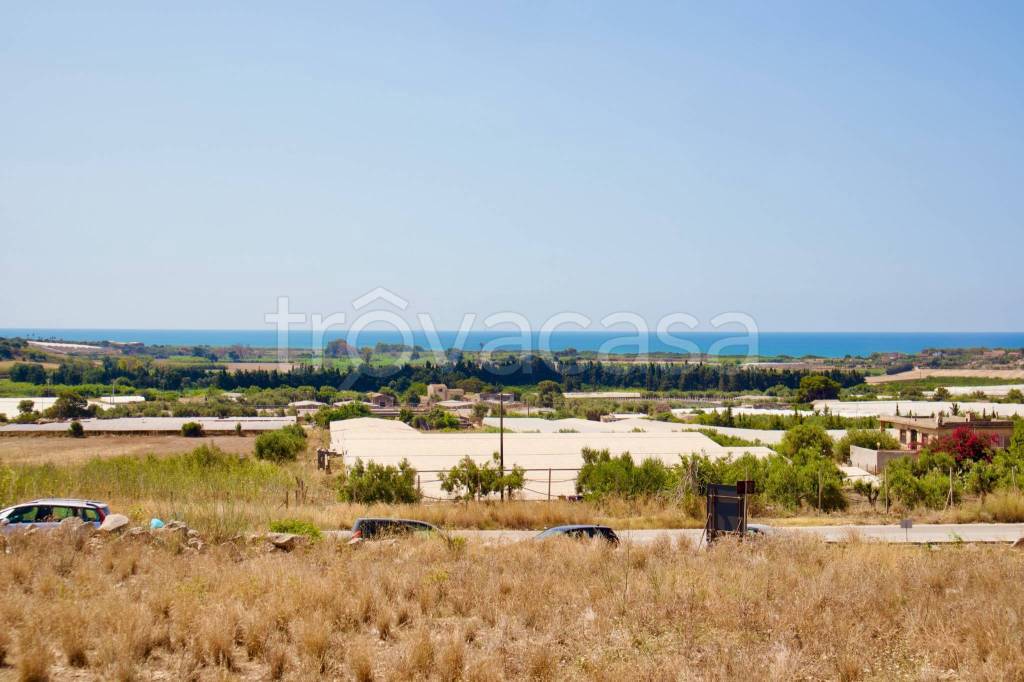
x=380, y=399
x=918, y=432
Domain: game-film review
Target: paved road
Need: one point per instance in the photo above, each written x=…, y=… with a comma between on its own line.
x=925, y=533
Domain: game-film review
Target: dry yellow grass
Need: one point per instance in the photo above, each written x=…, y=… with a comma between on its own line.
x=65, y=450
x=427, y=610
x=916, y=374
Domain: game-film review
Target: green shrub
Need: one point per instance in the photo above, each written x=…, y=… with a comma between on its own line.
x=471, y=481
x=925, y=482
x=192, y=429
x=325, y=415
x=205, y=474
x=437, y=419
x=282, y=445
x=69, y=405
x=374, y=482
x=296, y=527
x=788, y=483
x=817, y=387
x=603, y=475
x=804, y=436
x=76, y=430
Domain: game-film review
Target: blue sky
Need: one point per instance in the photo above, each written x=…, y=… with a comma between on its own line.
x=817, y=166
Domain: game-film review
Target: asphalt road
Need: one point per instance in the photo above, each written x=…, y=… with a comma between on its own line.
x=919, y=534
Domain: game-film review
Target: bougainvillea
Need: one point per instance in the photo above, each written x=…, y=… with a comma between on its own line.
x=966, y=445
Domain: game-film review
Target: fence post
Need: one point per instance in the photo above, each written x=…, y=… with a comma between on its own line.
x=949, y=495
x=549, y=484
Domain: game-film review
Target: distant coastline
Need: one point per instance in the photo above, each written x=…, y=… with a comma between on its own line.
x=794, y=344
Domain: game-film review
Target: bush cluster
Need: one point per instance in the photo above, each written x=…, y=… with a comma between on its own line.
x=372, y=482
x=471, y=481
x=282, y=445
x=804, y=474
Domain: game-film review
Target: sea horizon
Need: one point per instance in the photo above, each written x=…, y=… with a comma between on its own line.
x=770, y=343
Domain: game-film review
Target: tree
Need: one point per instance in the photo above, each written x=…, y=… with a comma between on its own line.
x=435, y=420
x=192, y=429
x=471, y=481
x=282, y=445
x=325, y=415
x=69, y=406
x=982, y=478
x=1014, y=395
x=817, y=387
x=372, y=482
x=603, y=475
x=810, y=477
x=806, y=436
x=925, y=482
x=941, y=393
x=1017, y=438
x=865, y=438
x=547, y=392
x=480, y=411
x=76, y=430
x=337, y=348
x=25, y=406
x=868, y=490
x=28, y=373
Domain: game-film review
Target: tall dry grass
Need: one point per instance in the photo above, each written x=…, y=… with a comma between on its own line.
x=424, y=609
x=224, y=495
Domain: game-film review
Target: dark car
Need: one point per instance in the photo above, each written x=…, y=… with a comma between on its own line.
x=48, y=513
x=759, y=530
x=380, y=529
x=581, y=532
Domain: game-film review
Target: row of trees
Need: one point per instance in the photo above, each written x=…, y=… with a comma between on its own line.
x=529, y=370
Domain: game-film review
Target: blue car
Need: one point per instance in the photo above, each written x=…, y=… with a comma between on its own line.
x=49, y=512
x=581, y=532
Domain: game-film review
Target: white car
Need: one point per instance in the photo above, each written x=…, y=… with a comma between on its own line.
x=49, y=512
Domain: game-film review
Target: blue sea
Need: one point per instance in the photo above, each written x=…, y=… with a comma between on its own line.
x=794, y=344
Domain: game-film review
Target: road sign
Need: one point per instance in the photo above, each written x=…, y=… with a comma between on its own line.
x=906, y=523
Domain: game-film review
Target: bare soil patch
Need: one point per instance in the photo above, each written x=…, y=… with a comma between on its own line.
x=41, y=449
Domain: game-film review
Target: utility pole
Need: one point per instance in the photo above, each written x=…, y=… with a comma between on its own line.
x=501, y=435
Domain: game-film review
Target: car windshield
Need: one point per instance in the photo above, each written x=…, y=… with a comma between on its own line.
x=29, y=514
x=374, y=528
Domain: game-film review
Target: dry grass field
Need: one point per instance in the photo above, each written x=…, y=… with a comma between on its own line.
x=426, y=610
x=42, y=449
x=916, y=374
x=234, y=495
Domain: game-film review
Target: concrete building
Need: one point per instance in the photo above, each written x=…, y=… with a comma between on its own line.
x=380, y=400
x=873, y=461
x=437, y=392
x=918, y=432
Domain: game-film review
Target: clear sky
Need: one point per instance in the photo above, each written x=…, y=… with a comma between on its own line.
x=820, y=166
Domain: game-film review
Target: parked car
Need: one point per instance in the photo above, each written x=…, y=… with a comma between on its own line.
x=581, y=532
x=49, y=512
x=383, y=528
x=759, y=530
